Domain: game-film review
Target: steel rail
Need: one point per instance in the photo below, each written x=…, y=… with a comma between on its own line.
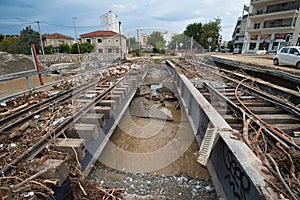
x=42, y=143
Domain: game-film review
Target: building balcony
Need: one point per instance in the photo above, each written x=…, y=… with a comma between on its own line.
x=272, y=29
x=257, y=2
x=274, y=15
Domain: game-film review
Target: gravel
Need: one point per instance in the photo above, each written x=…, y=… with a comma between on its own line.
x=143, y=184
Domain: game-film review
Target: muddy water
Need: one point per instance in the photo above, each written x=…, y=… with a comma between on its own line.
x=19, y=85
x=154, y=137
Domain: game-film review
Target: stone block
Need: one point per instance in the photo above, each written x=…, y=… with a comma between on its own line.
x=107, y=103
x=95, y=118
x=59, y=171
x=105, y=110
x=116, y=98
x=68, y=145
x=85, y=131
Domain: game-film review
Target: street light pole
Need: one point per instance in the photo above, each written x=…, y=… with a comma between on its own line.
x=138, y=39
x=41, y=41
x=120, y=40
x=76, y=34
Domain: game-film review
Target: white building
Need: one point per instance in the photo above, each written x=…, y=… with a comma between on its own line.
x=270, y=25
x=110, y=22
x=168, y=36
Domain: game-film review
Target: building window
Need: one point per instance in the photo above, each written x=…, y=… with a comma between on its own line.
x=117, y=40
x=256, y=25
x=99, y=40
x=88, y=40
x=117, y=50
x=259, y=11
x=100, y=50
x=252, y=45
x=109, y=50
x=108, y=41
x=253, y=37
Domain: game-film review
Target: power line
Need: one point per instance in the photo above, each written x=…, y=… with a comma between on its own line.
x=64, y=26
x=12, y=25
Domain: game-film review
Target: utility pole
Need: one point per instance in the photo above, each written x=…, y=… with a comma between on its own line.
x=76, y=34
x=138, y=39
x=120, y=40
x=41, y=41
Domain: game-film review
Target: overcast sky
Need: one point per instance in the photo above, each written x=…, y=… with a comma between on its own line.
x=56, y=15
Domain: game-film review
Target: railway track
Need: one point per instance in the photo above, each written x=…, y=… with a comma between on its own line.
x=52, y=134
x=267, y=123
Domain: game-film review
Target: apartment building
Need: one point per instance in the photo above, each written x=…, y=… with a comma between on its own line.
x=270, y=25
x=106, y=42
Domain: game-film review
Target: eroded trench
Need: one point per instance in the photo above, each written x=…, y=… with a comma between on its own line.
x=153, y=150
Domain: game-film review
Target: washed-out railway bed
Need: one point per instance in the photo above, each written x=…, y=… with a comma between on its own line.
x=51, y=140
x=263, y=115
x=44, y=134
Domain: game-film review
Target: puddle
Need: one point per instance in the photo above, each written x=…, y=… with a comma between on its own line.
x=154, y=88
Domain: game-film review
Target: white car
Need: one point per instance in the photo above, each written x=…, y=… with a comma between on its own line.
x=289, y=55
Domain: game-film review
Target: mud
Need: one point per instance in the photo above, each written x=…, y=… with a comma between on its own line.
x=18, y=85
x=153, y=150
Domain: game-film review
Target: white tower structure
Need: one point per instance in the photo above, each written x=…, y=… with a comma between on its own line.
x=110, y=22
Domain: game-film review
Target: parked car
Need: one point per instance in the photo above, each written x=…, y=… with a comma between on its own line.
x=289, y=55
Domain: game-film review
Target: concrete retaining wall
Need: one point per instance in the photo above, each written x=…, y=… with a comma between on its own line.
x=236, y=171
x=47, y=60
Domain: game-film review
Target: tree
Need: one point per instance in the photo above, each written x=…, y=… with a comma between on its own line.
x=211, y=30
x=8, y=41
x=49, y=49
x=230, y=45
x=194, y=30
x=64, y=48
x=177, y=40
x=201, y=32
x=84, y=48
x=1, y=37
x=132, y=44
x=8, y=44
x=156, y=40
x=27, y=37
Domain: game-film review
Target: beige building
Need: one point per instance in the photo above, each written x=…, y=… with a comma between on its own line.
x=56, y=39
x=105, y=42
x=271, y=24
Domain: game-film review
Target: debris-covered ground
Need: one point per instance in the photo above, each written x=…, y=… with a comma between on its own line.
x=165, y=187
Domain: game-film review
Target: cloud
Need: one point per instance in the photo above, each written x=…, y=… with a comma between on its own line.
x=132, y=13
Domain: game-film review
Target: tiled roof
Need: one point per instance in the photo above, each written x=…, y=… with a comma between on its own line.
x=99, y=33
x=57, y=36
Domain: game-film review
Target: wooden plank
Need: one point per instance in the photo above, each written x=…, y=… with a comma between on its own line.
x=280, y=118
